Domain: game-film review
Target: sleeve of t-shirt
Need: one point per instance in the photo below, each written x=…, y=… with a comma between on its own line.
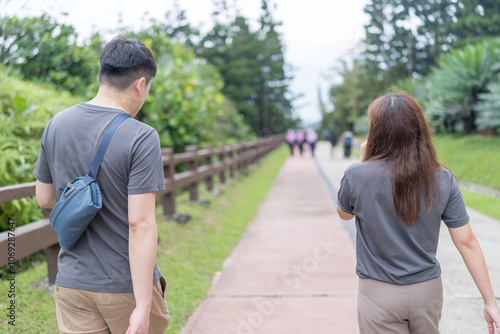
x=146, y=171
x=345, y=197
x=455, y=213
x=42, y=170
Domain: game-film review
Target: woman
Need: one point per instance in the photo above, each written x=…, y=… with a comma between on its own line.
x=311, y=138
x=399, y=194
x=290, y=138
x=301, y=138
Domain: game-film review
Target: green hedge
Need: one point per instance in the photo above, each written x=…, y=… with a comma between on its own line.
x=25, y=109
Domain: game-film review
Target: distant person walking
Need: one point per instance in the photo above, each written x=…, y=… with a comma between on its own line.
x=290, y=138
x=325, y=133
x=399, y=195
x=348, y=138
x=301, y=138
x=312, y=138
x=333, y=140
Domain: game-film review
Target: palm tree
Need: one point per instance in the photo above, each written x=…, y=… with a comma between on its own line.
x=488, y=118
x=461, y=77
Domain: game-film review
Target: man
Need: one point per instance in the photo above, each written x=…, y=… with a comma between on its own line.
x=109, y=282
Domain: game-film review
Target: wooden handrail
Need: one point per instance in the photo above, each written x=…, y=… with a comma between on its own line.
x=39, y=235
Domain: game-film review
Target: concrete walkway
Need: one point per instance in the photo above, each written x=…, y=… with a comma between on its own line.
x=293, y=272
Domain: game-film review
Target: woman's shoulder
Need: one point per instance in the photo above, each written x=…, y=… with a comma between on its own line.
x=445, y=177
x=444, y=173
x=361, y=168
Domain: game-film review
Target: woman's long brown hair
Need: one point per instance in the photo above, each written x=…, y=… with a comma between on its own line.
x=400, y=133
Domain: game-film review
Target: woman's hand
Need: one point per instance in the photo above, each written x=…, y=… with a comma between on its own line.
x=492, y=316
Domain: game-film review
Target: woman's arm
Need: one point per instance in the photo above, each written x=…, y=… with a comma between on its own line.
x=344, y=215
x=464, y=239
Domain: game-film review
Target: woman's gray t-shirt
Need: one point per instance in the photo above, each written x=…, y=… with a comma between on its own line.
x=387, y=249
x=132, y=164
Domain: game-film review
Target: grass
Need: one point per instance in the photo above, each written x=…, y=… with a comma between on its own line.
x=483, y=203
x=35, y=307
x=471, y=158
x=474, y=159
x=188, y=255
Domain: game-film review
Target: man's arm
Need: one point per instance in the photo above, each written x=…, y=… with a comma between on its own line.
x=464, y=239
x=45, y=195
x=143, y=238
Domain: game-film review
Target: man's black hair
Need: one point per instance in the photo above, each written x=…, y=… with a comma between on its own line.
x=124, y=60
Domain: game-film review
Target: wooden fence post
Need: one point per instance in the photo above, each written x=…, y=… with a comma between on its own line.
x=222, y=157
x=192, y=166
x=240, y=151
x=230, y=149
x=209, y=181
x=168, y=199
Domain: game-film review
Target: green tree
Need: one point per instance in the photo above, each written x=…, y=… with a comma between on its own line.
x=186, y=104
x=404, y=38
x=351, y=98
x=42, y=49
x=488, y=108
x=233, y=51
x=460, y=79
x=476, y=19
x=253, y=67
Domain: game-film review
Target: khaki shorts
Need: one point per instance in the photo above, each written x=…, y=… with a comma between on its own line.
x=385, y=308
x=80, y=311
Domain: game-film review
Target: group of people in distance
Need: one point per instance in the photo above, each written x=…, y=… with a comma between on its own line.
x=347, y=137
x=299, y=138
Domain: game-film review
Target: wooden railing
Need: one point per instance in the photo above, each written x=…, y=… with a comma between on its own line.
x=39, y=235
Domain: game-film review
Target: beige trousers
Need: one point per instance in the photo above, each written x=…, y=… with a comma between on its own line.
x=80, y=311
x=385, y=308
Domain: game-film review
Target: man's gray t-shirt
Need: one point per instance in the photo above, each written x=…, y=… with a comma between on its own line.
x=132, y=165
x=387, y=249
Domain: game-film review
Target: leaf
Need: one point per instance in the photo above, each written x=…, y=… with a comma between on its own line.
x=19, y=103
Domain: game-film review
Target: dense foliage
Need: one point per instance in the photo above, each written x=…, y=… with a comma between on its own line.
x=25, y=108
x=441, y=51
x=253, y=66
x=207, y=91
x=46, y=51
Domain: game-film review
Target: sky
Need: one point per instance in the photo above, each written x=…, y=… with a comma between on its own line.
x=316, y=33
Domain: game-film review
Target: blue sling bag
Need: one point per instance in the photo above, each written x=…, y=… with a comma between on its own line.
x=81, y=199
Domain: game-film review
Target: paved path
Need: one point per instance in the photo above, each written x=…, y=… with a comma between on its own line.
x=294, y=270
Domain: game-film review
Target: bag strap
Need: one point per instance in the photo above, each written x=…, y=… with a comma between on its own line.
x=96, y=163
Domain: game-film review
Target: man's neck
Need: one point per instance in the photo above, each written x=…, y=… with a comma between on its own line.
x=109, y=99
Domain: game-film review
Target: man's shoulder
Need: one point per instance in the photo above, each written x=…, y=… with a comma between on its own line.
x=139, y=129
x=68, y=112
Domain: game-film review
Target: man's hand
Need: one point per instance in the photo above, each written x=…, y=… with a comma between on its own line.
x=138, y=322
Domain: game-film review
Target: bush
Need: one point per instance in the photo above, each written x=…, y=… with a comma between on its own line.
x=186, y=105
x=25, y=109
